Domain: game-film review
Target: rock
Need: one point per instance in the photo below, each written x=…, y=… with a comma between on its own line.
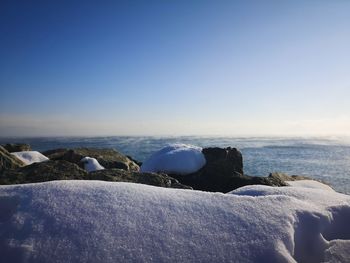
x=55, y=154
x=119, y=175
x=42, y=172
x=224, y=160
x=134, y=160
x=223, y=172
x=223, y=168
x=108, y=158
x=284, y=177
x=64, y=170
x=17, y=147
x=8, y=161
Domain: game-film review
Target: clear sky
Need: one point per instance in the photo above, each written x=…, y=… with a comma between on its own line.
x=174, y=67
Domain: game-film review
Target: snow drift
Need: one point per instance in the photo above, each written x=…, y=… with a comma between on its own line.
x=176, y=159
x=29, y=157
x=93, y=221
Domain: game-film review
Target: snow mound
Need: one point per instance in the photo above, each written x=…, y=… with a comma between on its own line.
x=175, y=158
x=309, y=184
x=94, y=221
x=29, y=157
x=91, y=164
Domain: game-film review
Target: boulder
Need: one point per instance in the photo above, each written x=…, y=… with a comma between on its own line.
x=42, y=172
x=108, y=158
x=224, y=160
x=8, y=161
x=17, y=147
x=223, y=172
x=119, y=175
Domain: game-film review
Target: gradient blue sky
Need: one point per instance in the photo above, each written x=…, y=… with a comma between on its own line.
x=174, y=68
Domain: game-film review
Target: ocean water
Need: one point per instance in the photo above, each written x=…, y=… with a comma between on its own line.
x=327, y=159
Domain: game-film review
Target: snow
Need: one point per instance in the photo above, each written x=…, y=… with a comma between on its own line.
x=309, y=184
x=95, y=221
x=29, y=157
x=91, y=164
x=176, y=159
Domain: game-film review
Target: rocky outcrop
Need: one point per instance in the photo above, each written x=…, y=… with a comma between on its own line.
x=108, y=158
x=64, y=170
x=119, y=175
x=284, y=177
x=17, y=147
x=42, y=172
x=8, y=161
x=223, y=172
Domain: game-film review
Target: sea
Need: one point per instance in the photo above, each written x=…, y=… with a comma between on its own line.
x=322, y=158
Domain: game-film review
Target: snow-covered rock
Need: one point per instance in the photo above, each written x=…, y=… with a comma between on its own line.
x=91, y=164
x=175, y=159
x=94, y=221
x=29, y=157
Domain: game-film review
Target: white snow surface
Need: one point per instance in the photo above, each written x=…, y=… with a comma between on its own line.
x=91, y=164
x=95, y=221
x=309, y=184
x=175, y=158
x=29, y=157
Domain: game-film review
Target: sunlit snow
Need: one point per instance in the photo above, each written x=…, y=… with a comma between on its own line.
x=29, y=157
x=94, y=221
x=175, y=158
x=309, y=184
x=91, y=164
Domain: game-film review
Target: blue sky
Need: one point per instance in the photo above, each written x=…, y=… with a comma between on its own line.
x=174, y=68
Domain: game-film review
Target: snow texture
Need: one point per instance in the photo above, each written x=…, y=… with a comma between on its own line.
x=94, y=221
x=309, y=184
x=29, y=157
x=176, y=159
x=91, y=164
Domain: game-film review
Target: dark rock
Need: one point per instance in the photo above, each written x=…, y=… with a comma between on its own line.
x=8, y=161
x=64, y=170
x=42, y=172
x=284, y=177
x=108, y=158
x=55, y=154
x=224, y=160
x=119, y=175
x=223, y=172
x=134, y=160
x=17, y=147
